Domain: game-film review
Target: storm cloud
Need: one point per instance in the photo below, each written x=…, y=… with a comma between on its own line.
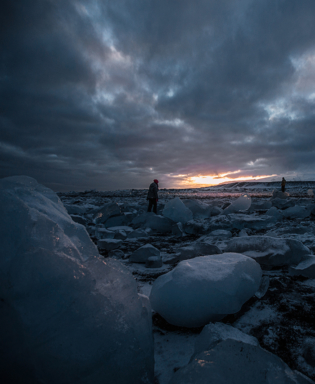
x=112, y=94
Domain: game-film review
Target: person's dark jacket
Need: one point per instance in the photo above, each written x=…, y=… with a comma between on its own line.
x=153, y=191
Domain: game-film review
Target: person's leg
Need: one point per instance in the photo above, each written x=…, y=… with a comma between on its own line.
x=150, y=205
x=155, y=206
x=282, y=187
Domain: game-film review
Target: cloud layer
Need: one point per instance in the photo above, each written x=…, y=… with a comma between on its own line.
x=112, y=94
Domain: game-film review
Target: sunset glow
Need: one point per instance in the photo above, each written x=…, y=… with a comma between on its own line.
x=208, y=180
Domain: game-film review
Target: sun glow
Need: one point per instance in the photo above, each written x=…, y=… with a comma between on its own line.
x=209, y=180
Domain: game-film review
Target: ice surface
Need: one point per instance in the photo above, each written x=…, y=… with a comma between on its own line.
x=241, y=204
x=157, y=223
x=212, y=334
x=310, y=192
x=205, y=289
x=220, y=234
x=142, y=254
x=67, y=315
x=177, y=211
x=240, y=221
x=269, y=250
x=107, y=211
x=199, y=209
x=235, y=362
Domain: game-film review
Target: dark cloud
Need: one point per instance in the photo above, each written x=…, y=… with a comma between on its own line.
x=111, y=94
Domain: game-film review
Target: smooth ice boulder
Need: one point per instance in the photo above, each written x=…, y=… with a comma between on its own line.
x=243, y=203
x=199, y=209
x=177, y=211
x=142, y=254
x=67, y=315
x=236, y=362
x=119, y=220
x=205, y=289
x=73, y=209
x=214, y=333
x=270, y=250
x=306, y=268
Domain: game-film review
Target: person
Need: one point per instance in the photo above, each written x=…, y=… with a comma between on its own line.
x=283, y=184
x=153, y=195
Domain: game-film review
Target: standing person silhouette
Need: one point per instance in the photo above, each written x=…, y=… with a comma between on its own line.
x=283, y=184
x=153, y=196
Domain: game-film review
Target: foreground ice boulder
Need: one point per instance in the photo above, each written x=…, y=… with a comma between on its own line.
x=177, y=211
x=205, y=289
x=235, y=362
x=67, y=315
x=270, y=250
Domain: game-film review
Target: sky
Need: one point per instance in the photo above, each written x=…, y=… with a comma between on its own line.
x=112, y=94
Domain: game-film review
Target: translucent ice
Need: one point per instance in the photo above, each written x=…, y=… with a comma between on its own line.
x=67, y=315
x=177, y=211
x=241, y=204
x=205, y=289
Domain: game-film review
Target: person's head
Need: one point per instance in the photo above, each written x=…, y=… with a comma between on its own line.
x=156, y=181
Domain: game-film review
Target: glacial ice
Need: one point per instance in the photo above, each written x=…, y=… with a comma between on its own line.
x=205, y=289
x=177, y=211
x=199, y=209
x=270, y=250
x=67, y=315
x=214, y=333
x=241, y=204
x=236, y=362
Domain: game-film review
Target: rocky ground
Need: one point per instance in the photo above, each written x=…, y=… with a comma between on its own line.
x=282, y=319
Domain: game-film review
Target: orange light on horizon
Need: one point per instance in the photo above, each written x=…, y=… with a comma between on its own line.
x=210, y=180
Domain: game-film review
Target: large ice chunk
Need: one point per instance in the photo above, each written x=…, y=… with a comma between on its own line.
x=270, y=250
x=67, y=315
x=177, y=211
x=199, y=209
x=241, y=204
x=205, y=289
x=236, y=362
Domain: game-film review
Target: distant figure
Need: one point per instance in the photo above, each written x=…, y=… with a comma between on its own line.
x=153, y=196
x=283, y=184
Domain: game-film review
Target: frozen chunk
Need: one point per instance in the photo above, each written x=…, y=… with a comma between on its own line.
x=142, y=254
x=236, y=362
x=205, y=289
x=241, y=204
x=270, y=250
x=177, y=211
